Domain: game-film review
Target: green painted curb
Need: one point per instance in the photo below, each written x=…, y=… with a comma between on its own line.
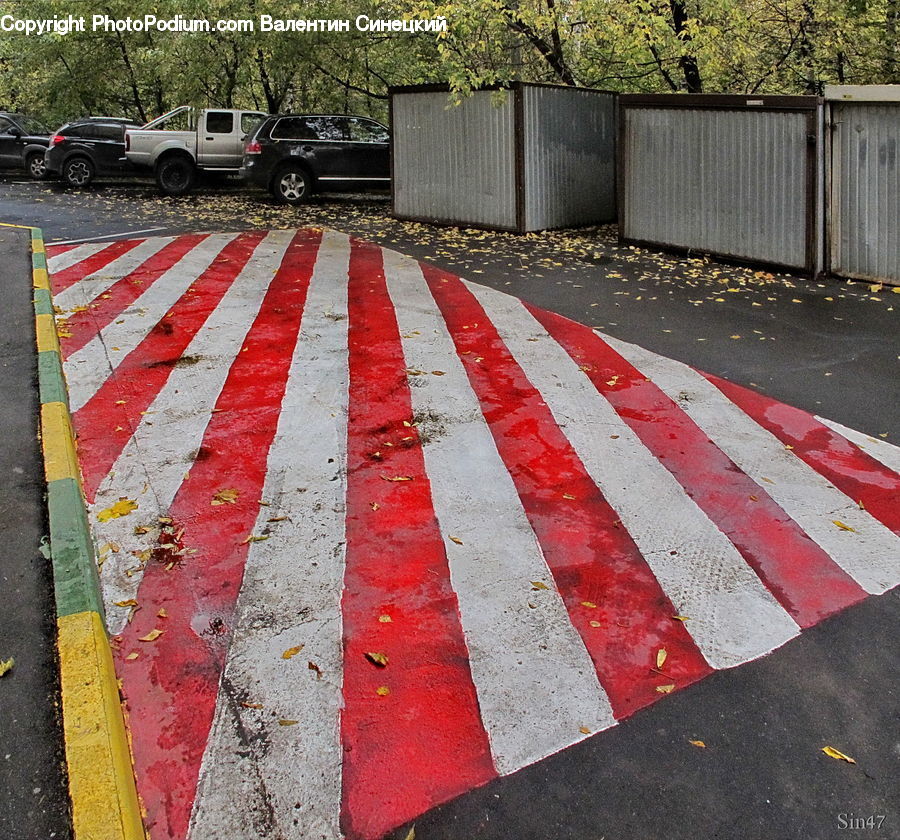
x=74, y=567
x=43, y=302
x=51, y=380
x=38, y=260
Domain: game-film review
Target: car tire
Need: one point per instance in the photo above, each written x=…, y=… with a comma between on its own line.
x=292, y=184
x=35, y=166
x=175, y=174
x=78, y=172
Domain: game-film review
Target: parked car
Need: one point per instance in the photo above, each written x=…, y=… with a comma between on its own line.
x=83, y=149
x=23, y=141
x=179, y=144
x=295, y=155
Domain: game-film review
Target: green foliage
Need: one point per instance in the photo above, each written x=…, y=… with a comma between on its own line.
x=736, y=46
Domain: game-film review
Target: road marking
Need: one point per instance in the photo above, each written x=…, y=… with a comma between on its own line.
x=171, y=688
x=258, y=778
x=613, y=599
x=882, y=451
x=734, y=618
x=870, y=554
x=60, y=261
x=97, y=261
x=123, y=234
x=166, y=439
x=535, y=680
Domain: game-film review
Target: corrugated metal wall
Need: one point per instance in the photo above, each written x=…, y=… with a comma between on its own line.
x=570, y=157
x=865, y=211
x=730, y=182
x=454, y=164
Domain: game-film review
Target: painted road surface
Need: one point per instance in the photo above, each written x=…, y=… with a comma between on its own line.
x=372, y=535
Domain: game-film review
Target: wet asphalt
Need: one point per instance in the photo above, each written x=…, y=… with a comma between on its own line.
x=827, y=346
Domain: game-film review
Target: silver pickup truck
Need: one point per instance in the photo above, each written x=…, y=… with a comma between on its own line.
x=178, y=144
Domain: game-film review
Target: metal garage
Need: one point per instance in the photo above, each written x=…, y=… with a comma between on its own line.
x=527, y=158
x=864, y=200
x=734, y=176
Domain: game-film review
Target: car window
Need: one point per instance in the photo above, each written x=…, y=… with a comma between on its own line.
x=330, y=128
x=5, y=125
x=110, y=131
x=219, y=122
x=367, y=131
x=249, y=122
x=294, y=128
x=33, y=126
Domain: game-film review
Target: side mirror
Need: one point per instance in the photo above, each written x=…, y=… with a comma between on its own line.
x=14, y=131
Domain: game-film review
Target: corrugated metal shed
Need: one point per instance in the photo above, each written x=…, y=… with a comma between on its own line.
x=734, y=176
x=529, y=158
x=864, y=211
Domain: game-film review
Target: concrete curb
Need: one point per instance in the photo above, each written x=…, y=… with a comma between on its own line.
x=105, y=803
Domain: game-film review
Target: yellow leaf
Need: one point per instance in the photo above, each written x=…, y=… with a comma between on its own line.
x=698, y=744
x=411, y=834
x=584, y=730
x=385, y=619
x=589, y=604
x=6, y=666
x=152, y=636
x=162, y=613
x=831, y=752
x=121, y=508
x=251, y=538
x=568, y=496
x=225, y=497
x=374, y=505
x=661, y=655
x=437, y=372
x=536, y=584
x=397, y=478
x=132, y=656
x=379, y=659
x=595, y=624
x=129, y=603
x=251, y=705
x=287, y=722
x=680, y=618
x=382, y=691
x=291, y=652
x=666, y=689
x=457, y=540
x=843, y=526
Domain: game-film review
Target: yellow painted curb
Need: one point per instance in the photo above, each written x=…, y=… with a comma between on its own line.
x=37, y=246
x=41, y=279
x=105, y=805
x=47, y=338
x=58, y=442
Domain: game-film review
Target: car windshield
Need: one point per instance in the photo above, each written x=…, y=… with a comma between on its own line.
x=32, y=126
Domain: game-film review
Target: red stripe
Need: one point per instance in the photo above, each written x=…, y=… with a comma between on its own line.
x=424, y=742
x=61, y=280
x=171, y=688
x=83, y=326
x=593, y=558
x=854, y=472
x=801, y=576
x=56, y=250
x=108, y=419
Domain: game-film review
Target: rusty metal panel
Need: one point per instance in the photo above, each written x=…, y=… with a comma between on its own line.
x=729, y=181
x=454, y=163
x=865, y=210
x=569, y=157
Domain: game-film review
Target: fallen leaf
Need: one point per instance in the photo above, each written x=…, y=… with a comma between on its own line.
x=697, y=743
x=437, y=373
x=162, y=613
x=374, y=505
x=595, y=624
x=141, y=529
x=293, y=651
x=666, y=689
x=252, y=538
x=129, y=603
x=313, y=667
x=121, y=508
x=411, y=834
x=382, y=691
x=225, y=497
x=378, y=659
x=6, y=666
x=843, y=526
x=661, y=655
x=251, y=705
x=584, y=730
x=589, y=604
x=536, y=584
x=152, y=636
x=457, y=540
x=132, y=656
x=680, y=618
x=287, y=722
x=831, y=752
x=568, y=496
x=753, y=498
x=397, y=478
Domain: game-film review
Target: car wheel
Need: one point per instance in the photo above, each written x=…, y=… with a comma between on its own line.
x=35, y=165
x=292, y=185
x=175, y=174
x=78, y=172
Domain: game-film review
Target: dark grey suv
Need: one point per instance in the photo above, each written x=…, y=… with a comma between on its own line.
x=295, y=155
x=87, y=148
x=23, y=141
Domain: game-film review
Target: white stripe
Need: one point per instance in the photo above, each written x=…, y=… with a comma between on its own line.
x=870, y=554
x=882, y=451
x=59, y=262
x=258, y=778
x=153, y=465
x=734, y=618
x=535, y=681
x=88, y=288
x=93, y=364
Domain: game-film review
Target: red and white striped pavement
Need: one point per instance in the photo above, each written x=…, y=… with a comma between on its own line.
x=519, y=513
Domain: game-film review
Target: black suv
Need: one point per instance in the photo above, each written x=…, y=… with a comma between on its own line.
x=22, y=143
x=294, y=155
x=84, y=149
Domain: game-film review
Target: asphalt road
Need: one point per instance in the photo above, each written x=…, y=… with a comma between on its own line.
x=829, y=347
